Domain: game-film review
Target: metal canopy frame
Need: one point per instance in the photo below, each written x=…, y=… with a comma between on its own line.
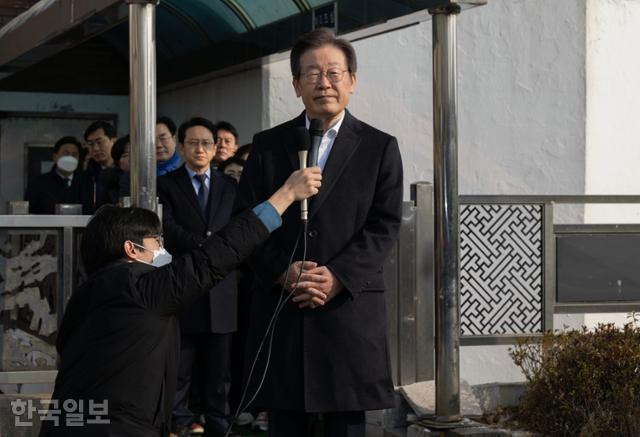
x=446, y=207
x=204, y=36
x=42, y=31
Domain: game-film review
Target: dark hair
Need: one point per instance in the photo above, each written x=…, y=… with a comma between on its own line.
x=109, y=228
x=119, y=147
x=244, y=149
x=317, y=38
x=233, y=160
x=168, y=123
x=67, y=140
x=196, y=121
x=225, y=125
x=107, y=127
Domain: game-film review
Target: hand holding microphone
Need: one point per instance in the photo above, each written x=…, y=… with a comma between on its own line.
x=301, y=185
x=304, y=144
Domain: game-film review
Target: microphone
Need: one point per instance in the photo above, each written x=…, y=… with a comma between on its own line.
x=304, y=143
x=316, y=129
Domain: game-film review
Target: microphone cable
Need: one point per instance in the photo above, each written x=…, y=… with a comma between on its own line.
x=269, y=332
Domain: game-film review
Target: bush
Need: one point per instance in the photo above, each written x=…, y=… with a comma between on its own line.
x=582, y=383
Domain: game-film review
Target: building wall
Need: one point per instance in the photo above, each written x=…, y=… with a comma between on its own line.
x=236, y=98
x=613, y=93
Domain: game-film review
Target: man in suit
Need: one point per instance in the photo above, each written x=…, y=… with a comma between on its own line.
x=197, y=201
x=65, y=183
x=100, y=137
x=330, y=351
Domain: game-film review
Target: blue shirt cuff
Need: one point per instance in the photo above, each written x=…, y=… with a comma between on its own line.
x=268, y=215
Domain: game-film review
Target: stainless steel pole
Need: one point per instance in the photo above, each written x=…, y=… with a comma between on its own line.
x=446, y=210
x=142, y=102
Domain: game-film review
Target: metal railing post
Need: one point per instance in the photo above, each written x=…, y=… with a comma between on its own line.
x=446, y=208
x=142, y=101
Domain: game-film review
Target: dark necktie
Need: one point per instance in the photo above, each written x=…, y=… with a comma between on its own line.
x=203, y=192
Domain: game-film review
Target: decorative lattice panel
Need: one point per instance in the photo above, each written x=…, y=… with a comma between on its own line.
x=501, y=269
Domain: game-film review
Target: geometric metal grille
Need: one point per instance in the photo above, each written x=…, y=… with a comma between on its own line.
x=501, y=269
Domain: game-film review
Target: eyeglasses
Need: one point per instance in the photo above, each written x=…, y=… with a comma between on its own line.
x=158, y=238
x=97, y=142
x=207, y=144
x=314, y=76
x=164, y=138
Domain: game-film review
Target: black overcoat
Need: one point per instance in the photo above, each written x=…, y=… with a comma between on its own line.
x=185, y=227
x=332, y=358
x=49, y=189
x=119, y=338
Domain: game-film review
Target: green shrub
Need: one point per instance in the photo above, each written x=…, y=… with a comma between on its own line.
x=582, y=383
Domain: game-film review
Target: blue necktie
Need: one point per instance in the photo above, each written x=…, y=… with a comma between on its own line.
x=203, y=192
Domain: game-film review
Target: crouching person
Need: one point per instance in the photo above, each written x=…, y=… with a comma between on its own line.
x=119, y=338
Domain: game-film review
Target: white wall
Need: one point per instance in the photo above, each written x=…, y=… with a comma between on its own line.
x=236, y=98
x=522, y=97
x=613, y=93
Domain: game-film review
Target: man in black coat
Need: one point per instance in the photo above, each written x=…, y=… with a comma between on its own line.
x=330, y=354
x=65, y=183
x=100, y=137
x=119, y=338
x=197, y=201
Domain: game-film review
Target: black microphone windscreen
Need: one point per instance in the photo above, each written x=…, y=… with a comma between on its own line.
x=316, y=128
x=303, y=141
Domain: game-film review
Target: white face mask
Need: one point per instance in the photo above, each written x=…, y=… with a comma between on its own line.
x=160, y=256
x=67, y=163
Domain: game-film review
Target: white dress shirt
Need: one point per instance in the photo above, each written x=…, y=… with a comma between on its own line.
x=328, y=139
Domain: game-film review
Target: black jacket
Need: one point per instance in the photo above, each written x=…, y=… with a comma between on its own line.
x=185, y=227
x=119, y=338
x=333, y=358
x=115, y=184
x=49, y=189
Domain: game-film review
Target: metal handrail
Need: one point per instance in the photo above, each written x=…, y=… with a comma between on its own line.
x=575, y=199
x=43, y=221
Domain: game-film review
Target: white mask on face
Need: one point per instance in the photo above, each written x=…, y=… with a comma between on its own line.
x=67, y=163
x=160, y=256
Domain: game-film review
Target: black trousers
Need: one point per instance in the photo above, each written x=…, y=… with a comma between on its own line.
x=215, y=352
x=283, y=423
